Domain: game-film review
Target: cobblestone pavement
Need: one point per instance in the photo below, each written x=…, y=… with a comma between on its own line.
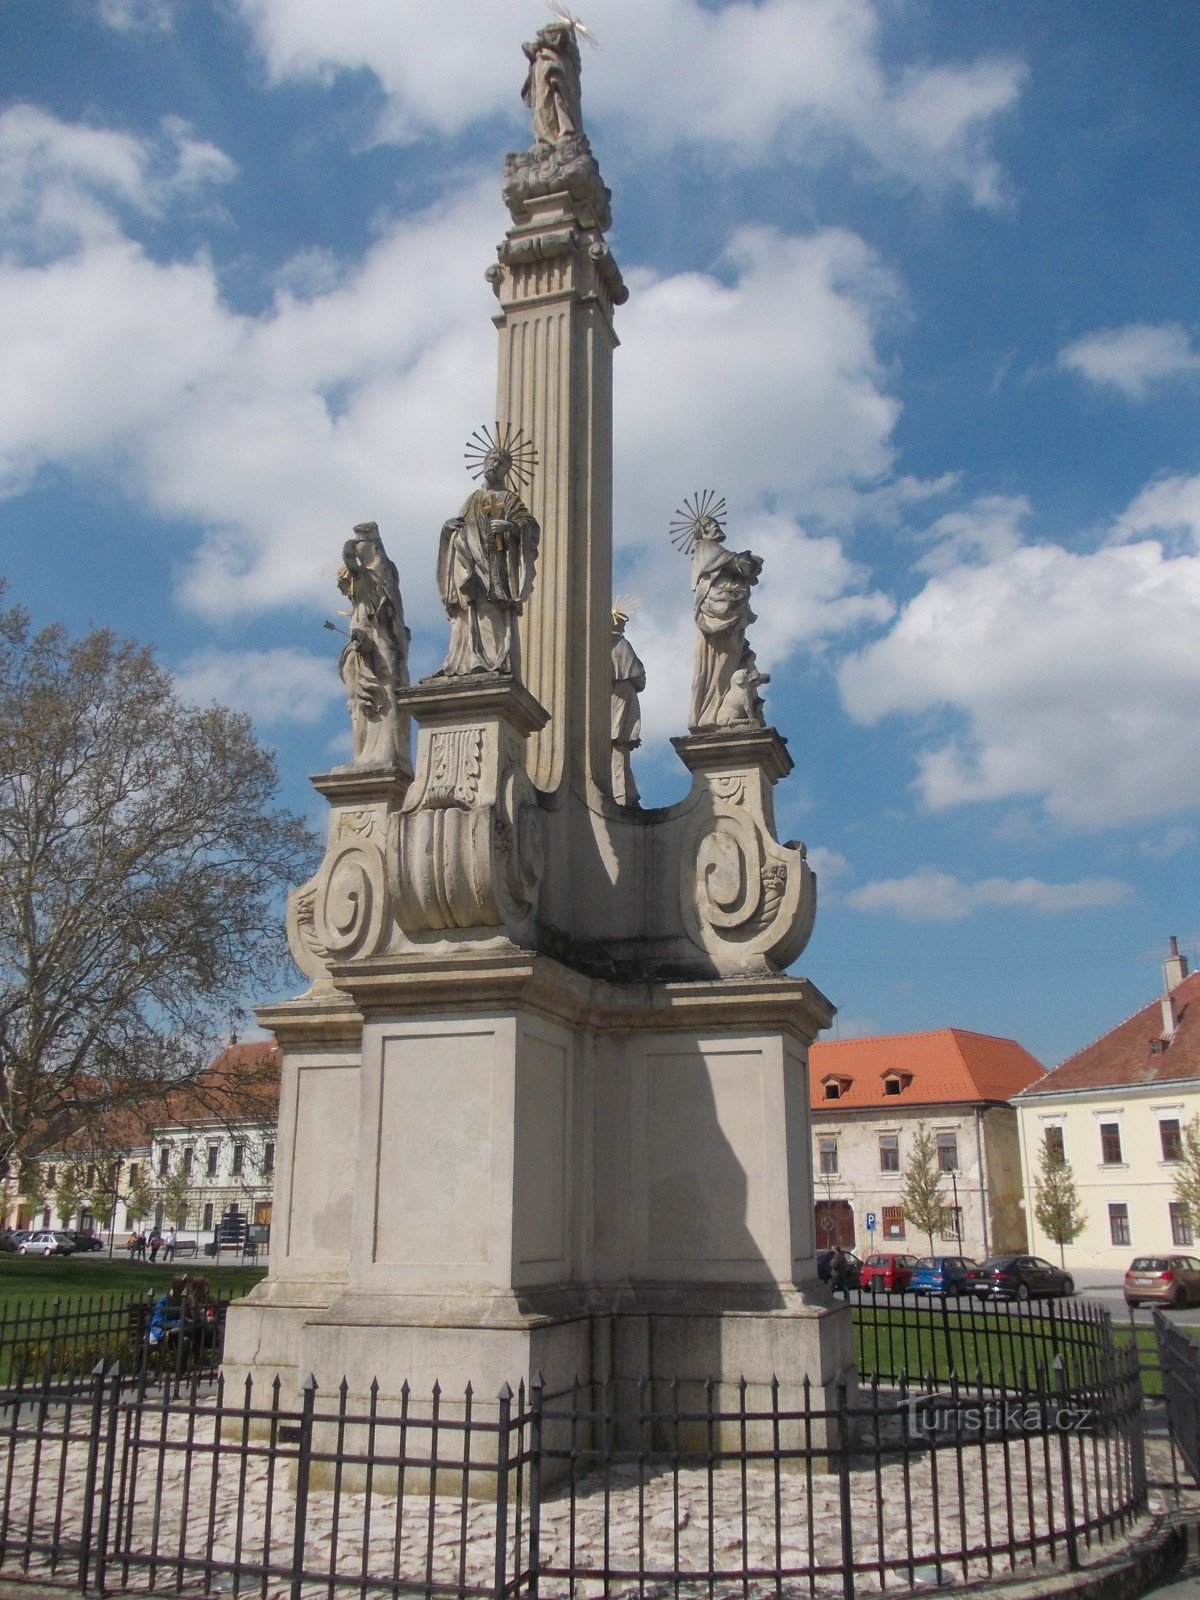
x=201, y=1508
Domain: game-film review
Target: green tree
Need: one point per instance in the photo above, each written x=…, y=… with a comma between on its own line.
x=31, y=1186
x=175, y=1192
x=1056, y=1201
x=69, y=1191
x=138, y=1198
x=141, y=863
x=921, y=1198
x=1187, y=1175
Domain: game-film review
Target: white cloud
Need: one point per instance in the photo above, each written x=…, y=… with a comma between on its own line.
x=262, y=438
x=1133, y=359
x=928, y=895
x=1071, y=678
x=746, y=81
x=138, y=16
x=829, y=865
x=272, y=686
x=1170, y=506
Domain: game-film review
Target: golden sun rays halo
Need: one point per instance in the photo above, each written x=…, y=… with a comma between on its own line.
x=693, y=515
x=625, y=607
x=576, y=24
x=507, y=441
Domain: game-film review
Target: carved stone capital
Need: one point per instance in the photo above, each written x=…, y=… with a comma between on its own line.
x=748, y=901
x=466, y=849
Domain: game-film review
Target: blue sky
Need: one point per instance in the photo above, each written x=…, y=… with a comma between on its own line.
x=913, y=285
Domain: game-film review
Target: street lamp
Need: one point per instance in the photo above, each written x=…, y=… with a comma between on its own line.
x=112, y=1221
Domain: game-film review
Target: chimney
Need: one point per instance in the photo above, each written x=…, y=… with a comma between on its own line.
x=1175, y=970
x=1175, y=967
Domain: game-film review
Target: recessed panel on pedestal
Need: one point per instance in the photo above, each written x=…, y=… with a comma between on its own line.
x=434, y=1175
x=539, y=1165
x=706, y=1155
x=322, y=1178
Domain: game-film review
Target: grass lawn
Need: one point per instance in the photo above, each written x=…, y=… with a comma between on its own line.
x=31, y=1282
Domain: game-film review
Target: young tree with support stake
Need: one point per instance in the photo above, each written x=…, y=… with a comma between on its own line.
x=921, y=1198
x=1187, y=1175
x=141, y=863
x=1056, y=1201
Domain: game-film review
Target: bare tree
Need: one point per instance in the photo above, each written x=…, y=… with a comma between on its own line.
x=141, y=862
x=921, y=1192
x=1187, y=1174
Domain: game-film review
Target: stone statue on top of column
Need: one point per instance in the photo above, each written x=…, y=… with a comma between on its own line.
x=629, y=679
x=374, y=663
x=486, y=558
x=561, y=158
x=721, y=583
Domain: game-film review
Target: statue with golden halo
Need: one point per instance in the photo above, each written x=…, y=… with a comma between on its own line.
x=487, y=556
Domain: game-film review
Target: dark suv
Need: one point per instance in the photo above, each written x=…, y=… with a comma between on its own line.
x=86, y=1241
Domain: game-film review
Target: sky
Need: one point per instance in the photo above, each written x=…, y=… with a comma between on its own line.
x=913, y=285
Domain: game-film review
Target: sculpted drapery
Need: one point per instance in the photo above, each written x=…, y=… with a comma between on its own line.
x=486, y=561
x=551, y=89
x=721, y=583
x=629, y=679
x=374, y=663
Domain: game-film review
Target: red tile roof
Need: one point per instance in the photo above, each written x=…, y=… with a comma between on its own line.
x=241, y=1085
x=1124, y=1056
x=947, y=1066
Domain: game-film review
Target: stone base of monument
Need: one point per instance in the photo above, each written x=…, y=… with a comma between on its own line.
x=509, y=1168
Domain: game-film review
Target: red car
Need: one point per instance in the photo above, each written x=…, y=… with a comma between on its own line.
x=888, y=1272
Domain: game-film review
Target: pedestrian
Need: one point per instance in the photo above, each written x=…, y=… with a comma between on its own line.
x=169, y=1309
x=155, y=1245
x=141, y=1248
x=169, y=1244
x=839, y=1272
x=131, y=1244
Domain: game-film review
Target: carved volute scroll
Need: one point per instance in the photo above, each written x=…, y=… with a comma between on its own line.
x=746, y=900
x=344, y=910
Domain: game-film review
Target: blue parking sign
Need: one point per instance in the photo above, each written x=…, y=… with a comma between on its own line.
x=870, y=1222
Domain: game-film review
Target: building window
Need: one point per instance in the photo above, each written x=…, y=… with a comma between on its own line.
x=833, y=1089
x=51, y=1176
x=269, y=1159
x=1171, y=1135
x=239, y=1155
x=1181, y=1224
x=164, y=1161
x=91, y=1177
x=189, y=1155
x=208, y=1217
x=947, y=1148
x=889, y=1152
x=1118, y=1223
x=828, y=1154
x=892, y=1084
x=1056, y=1148
x=214, y=1151
x=952, y=1222
x=893, y=1222
x=1110, y=1147
x=134, y=1169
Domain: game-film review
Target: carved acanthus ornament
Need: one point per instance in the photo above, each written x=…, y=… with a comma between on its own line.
x=466, y=848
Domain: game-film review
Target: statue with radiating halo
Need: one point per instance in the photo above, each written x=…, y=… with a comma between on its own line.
x=721, y=583
x=487, y=556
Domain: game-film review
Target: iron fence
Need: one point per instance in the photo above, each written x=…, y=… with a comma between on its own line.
x=64, y=1339
x=696, y=1486
x=903, y=1333
x=1179, y=1363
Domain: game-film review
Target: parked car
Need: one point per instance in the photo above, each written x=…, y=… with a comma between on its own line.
x=47, y=1244
x=1019, y=1278
x=943, y=1275
x=8, y=1243
x=85, y=1241
x=889, y=1272
x=1171, y=1280
x=851, y=1268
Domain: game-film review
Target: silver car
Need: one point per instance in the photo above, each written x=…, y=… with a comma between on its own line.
x=46, y=1243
